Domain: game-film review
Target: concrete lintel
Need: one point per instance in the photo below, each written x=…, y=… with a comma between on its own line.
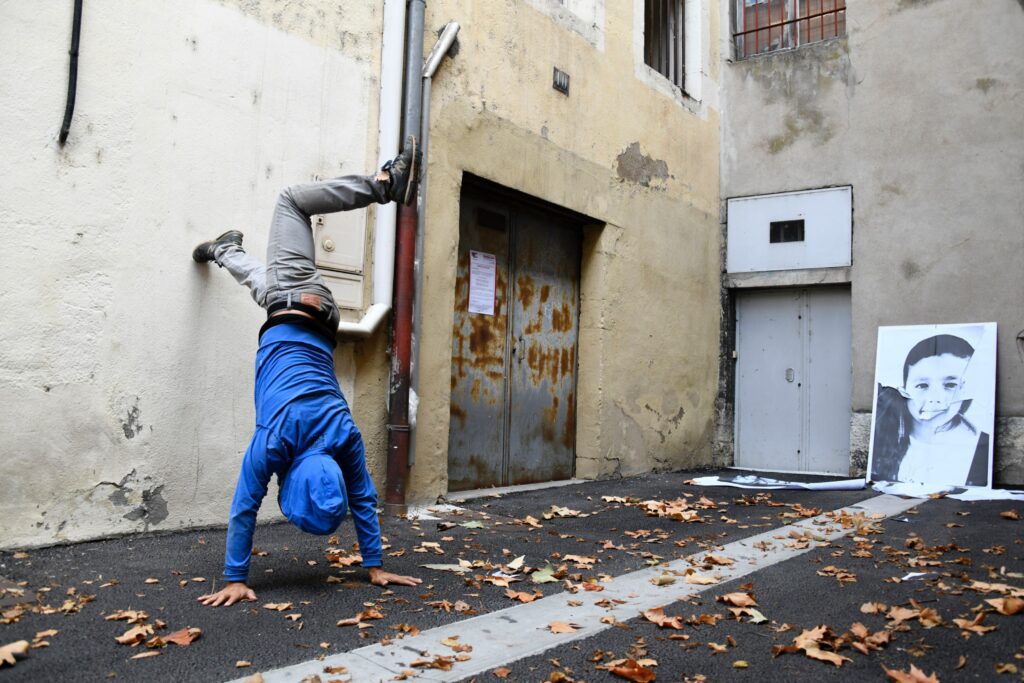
x=788, y=278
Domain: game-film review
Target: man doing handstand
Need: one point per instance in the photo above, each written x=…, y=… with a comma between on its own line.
x=304, y=429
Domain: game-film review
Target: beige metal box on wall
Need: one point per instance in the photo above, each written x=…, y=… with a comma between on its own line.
x=340, y=249
x=790, y=230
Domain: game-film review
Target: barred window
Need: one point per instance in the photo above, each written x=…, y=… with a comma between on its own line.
x=770, y=25
x=663, y=38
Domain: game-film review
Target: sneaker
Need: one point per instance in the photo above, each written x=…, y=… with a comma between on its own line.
x=204, y=252
x=404, y=173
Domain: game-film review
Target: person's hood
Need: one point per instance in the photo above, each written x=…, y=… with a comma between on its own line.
x=313, y=494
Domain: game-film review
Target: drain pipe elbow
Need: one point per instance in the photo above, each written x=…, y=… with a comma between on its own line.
x=373, y=317
x=440, y=49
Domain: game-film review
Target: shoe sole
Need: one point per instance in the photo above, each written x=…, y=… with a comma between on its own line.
x=198, y=254
x=413, y=182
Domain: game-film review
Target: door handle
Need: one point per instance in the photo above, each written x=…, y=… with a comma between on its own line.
x=789, y=374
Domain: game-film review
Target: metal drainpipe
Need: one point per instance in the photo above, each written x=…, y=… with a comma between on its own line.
x=69, y=106
x=388, y=132
x=430, y=66
x=405, y=255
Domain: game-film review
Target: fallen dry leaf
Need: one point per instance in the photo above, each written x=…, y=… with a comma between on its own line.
x=657, y=616
x=151, y=580
x=562, y=627
x=581, y=562
x=278, y=606
x=7, y=652
x=1007, y=606
x=1006, y=668
x=135, y=635
x=439, y=662
x=1010, y=514
x=183, y=637
x=700, y=579
x=718, y=559
x=147, y=653
x=365, y=615
x=740, y=664
x=738, y=599
x=929, y=618
x=241, y=664
x=557, y=511
x=915, y=675
x=502, y=672
x=522, y=596
x=974, y=625
x=873, y=607
x=255, y=678
x=901, y=614
x=841, y=575
x=516, y=564
x=335, y=670
x=810, y=641
x=755, y=616
x=631, y=670
x=545, y=575
x=664, y=579
x=131, y=616
x=453, y=643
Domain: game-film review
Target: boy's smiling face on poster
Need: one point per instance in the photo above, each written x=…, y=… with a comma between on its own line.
x=934, y=387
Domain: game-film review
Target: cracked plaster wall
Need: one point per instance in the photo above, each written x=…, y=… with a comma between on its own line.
x=919, y=109
x=126, y=368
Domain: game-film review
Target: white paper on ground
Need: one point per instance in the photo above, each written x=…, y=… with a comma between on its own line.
x=750, y=481
x=894, y=488
x=988, y=494
x=899, y=488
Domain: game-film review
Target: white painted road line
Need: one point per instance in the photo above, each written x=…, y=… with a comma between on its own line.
x=499, y=638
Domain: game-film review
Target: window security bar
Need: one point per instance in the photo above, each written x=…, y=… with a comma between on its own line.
x=769, y=34
x=663, y=39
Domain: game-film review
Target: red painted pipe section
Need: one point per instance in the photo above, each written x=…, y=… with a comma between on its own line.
x=401, y=353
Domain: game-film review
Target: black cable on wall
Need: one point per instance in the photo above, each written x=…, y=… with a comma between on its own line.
x=69, y=108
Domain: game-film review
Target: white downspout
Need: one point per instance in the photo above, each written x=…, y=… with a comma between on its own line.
x=389, y=120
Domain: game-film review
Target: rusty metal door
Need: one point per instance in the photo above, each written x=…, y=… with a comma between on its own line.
x=545, y=326
x=514, y=372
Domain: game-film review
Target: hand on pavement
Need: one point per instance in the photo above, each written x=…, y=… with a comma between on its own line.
x=379, y=577
x=234, y=592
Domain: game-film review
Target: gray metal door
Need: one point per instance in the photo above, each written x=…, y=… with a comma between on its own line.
x=545, y=326
x=514, y=372
x=793, y=380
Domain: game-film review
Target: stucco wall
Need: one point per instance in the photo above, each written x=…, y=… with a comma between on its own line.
x=639, y=160
x=127, y=369
x=919, y=109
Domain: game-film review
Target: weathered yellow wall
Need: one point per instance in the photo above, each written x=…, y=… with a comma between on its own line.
x=636, y=159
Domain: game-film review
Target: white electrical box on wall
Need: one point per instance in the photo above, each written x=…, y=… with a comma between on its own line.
x=347, y=290
x=340, y=247
x=790, y=230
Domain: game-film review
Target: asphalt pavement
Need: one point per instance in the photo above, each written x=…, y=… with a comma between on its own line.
x=593, y=535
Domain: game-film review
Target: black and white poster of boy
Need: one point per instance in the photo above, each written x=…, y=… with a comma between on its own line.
x=934, y=405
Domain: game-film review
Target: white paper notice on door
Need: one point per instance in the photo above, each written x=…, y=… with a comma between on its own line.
x=482, y=270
